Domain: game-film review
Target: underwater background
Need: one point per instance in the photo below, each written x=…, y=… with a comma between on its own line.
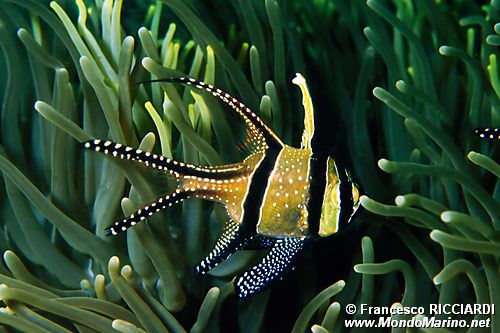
x=398, y=87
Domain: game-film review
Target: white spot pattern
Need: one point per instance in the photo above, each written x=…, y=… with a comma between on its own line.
x=488, y=133
x=157, y=162
x=251, y=119
x=149, y=210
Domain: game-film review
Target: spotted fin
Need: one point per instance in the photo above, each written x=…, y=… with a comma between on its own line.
x=260, y=134
x=273, y=267
x=228, y=243
x=147, y=211
x=488, y=133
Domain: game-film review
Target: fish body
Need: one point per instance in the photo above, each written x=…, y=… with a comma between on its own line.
x=276, y=198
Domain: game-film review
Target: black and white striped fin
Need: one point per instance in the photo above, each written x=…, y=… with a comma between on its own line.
x=147, y=211
x=273, y=267
x=117, y=150
x=257, y=128
x=488, y=133
x=228, y=243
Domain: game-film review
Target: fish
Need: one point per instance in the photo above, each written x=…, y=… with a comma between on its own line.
x=278, y=198
x=488, y=133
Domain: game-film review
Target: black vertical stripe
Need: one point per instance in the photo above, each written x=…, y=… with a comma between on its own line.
x=317, y=190
x=256, y=191
x=319, y=167
x=346, y=203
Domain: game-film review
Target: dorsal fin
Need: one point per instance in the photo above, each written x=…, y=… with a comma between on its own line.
x=308, y=132
x=260, y=134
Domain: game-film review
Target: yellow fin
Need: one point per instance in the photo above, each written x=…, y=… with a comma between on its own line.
x=308, y=133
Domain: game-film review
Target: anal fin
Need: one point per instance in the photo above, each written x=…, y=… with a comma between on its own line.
x=273, y=267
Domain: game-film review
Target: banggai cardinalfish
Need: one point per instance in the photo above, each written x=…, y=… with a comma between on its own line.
x=277, y=198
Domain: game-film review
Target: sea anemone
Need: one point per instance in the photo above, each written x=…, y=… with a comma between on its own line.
x=76, y=71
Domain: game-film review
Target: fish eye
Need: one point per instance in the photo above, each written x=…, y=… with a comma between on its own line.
x=355, y=195
x=355, y=198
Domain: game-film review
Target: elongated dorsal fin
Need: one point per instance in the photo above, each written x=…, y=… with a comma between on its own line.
x=261, y=135
x=308, y=133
